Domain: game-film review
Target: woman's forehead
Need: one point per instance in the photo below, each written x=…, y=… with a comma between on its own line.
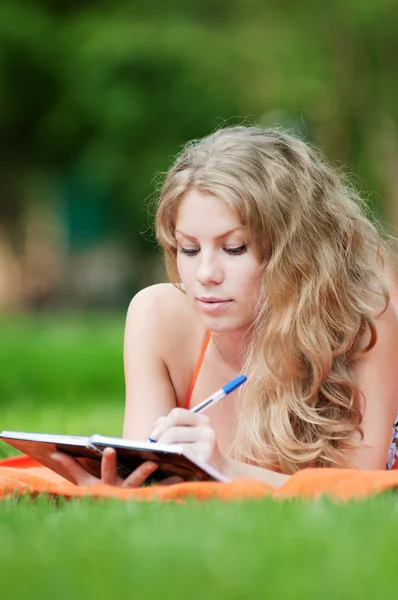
x=198, y=209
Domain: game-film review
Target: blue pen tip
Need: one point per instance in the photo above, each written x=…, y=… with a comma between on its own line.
x=232, y=385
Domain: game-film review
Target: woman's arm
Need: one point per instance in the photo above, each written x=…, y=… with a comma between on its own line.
x=149, y=391
x=194, y=433
x=376, y=375
x=234, y=468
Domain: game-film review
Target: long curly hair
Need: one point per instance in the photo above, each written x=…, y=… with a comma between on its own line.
x=322, y=279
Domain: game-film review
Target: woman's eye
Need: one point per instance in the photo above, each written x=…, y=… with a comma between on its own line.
x=195, y=251
x=189, y=251
x=239, y=250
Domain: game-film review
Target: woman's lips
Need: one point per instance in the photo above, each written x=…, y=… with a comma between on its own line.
x=212, y=306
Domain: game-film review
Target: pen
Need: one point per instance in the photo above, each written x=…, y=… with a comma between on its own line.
x=217, y=396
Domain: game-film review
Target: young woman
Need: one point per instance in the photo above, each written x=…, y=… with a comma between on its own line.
x=276, y=273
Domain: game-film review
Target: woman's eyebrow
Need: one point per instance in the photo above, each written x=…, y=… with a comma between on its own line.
x=217, y=237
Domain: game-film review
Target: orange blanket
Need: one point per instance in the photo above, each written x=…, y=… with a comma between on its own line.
x=22, y=475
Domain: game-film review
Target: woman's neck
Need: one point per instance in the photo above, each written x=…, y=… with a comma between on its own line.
x=232, y=348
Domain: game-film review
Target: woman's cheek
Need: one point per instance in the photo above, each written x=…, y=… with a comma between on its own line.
x=186, y=276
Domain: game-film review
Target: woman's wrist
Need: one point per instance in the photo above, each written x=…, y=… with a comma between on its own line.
x=220, y=463
x=234, y=468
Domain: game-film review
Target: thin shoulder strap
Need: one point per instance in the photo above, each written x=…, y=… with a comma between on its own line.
x=198, y=366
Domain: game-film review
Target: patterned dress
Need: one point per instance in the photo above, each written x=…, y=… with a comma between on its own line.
x=393, y=449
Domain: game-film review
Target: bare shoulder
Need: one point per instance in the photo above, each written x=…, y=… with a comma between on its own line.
x=161, y=303
x=386, y=323
x=163, y=336
x=389, y=316
x=387, y=330
x=166, y=293
x=157, y=317
x=379, y=363
x=163, y=311
x=376, y=376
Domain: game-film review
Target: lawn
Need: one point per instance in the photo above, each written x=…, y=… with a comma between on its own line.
x=65, y=375
x=62, y=375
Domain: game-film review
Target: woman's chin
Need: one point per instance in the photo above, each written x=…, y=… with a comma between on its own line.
x=223, y=325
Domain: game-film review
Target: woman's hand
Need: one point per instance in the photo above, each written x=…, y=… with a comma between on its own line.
x=191, y=431
x=108, y=470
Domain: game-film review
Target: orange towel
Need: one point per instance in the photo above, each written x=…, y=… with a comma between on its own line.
x=22, y=475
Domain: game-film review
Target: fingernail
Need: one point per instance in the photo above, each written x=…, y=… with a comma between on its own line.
x=55, y=456
x=154, y=435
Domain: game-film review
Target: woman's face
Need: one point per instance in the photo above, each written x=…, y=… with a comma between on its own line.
x=217, y=263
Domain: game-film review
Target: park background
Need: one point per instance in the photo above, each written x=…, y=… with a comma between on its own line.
x=96, y=98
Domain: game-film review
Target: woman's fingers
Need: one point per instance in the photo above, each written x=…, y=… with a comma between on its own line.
x=205, y=452
x=135, y=479
x=109, y=467
x=180, y=435
x=171, y=480
x=74, y=469
x=178, y=417
x=192, y=431
x=139, y=475
x=109, y=474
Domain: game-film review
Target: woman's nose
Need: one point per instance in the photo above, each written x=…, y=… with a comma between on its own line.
x=209, y=270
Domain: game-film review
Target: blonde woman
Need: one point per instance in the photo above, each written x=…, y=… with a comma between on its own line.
x=275, y=272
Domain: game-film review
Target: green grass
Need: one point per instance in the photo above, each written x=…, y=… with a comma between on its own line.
x=61, y=374
x=68, y=360
x=66, y=376
x=106, y=418
x=253, y=549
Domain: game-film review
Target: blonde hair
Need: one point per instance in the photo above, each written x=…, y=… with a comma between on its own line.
x=321, y=260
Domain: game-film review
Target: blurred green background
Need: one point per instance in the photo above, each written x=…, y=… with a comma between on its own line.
x=97, y=97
